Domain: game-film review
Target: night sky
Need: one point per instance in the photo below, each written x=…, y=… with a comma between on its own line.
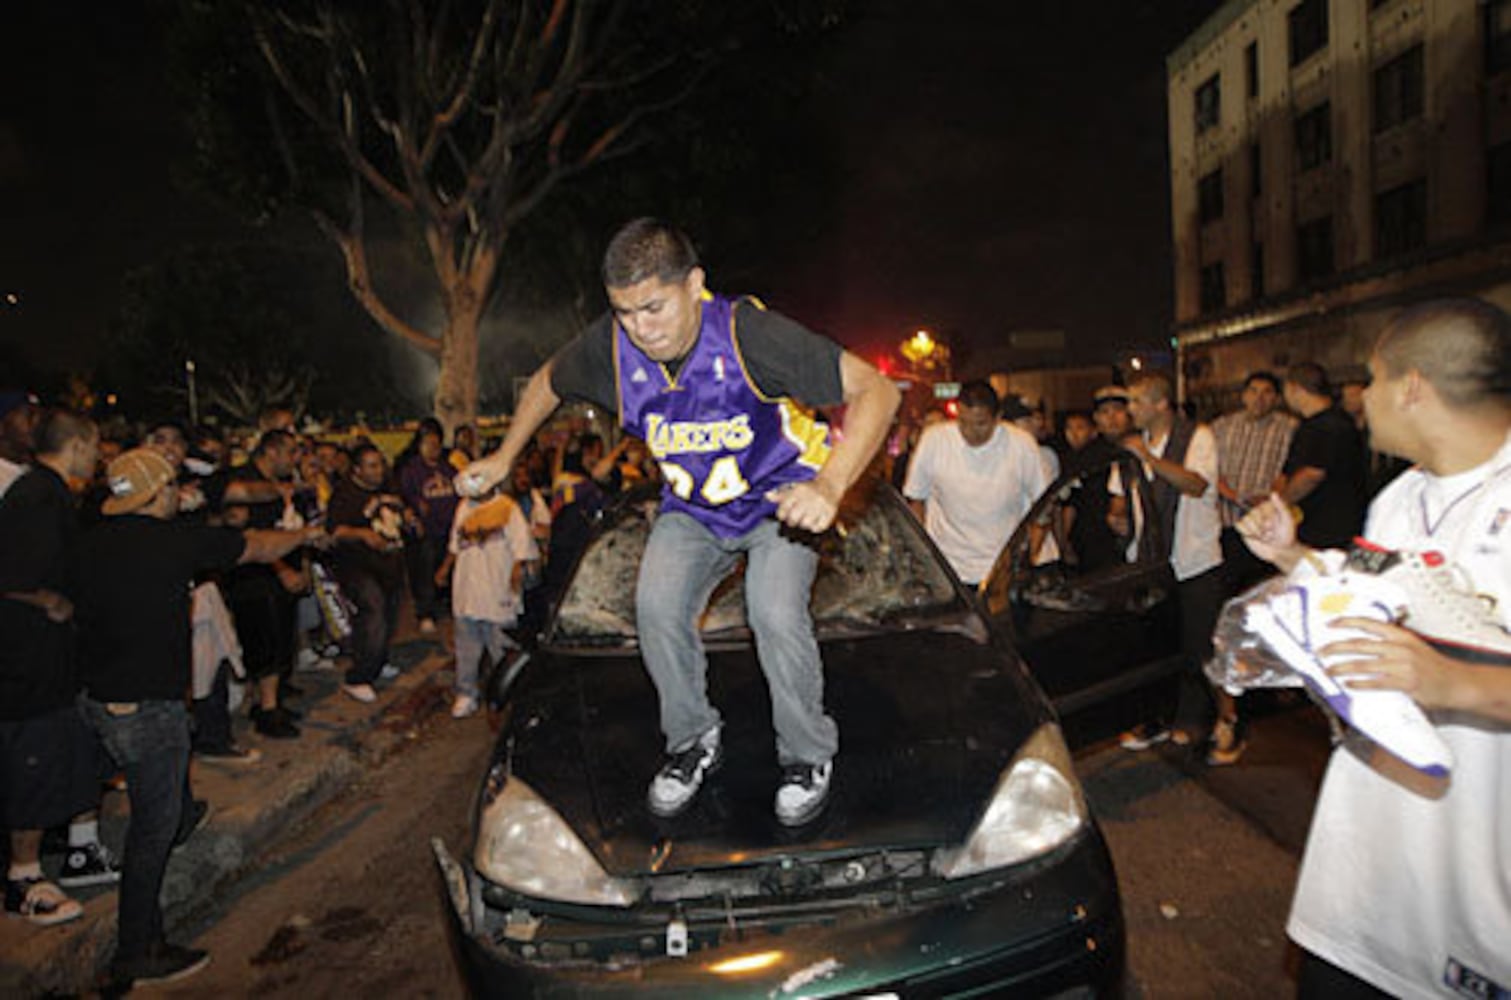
x=1002, y=166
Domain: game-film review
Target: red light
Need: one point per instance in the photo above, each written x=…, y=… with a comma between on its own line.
x=951, y=408
x=884, y=364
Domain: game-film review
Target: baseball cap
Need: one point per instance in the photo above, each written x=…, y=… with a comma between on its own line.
x=134, y=479
x=1013, y=407
x=1110, y=394
x=14, y=399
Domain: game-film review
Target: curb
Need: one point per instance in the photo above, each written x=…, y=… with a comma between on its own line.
x=251, y=809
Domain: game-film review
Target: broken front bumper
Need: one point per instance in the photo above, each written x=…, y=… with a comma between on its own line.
x=1054, y=930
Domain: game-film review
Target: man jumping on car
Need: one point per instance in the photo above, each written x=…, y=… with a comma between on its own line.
x=710, y=383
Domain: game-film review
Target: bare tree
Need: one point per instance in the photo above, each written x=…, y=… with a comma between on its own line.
x=460, y=117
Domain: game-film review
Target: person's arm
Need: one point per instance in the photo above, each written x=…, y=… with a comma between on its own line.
x=267, y=546
x=359, y=533
x=605, y=465
x=870, y=402
x=1400, y=660
x=1300, y=484
x=1191, y=484
x=56, y=606
x=254, y=491
x=1269, y=531
x=536, y=405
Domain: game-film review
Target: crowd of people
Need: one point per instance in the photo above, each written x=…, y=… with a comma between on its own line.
x=152, y=584
x=118, y=553
x=972, y=480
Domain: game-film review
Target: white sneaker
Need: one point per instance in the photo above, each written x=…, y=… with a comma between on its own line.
x=680, y=777
x=463, y=706
x=389, y=672
x=361, y=692
x=803, y=792
x=309, y=660
x=1298, y=621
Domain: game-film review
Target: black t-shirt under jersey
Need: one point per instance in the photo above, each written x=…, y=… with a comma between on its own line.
x=37, y=529
x=134, y=604
x=784, y=358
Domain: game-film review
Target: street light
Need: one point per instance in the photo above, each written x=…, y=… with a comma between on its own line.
x=193, y=400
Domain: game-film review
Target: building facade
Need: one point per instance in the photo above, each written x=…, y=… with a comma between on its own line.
x=1330, y=162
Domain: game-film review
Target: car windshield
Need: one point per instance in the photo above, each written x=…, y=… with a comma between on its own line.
x=877, y=571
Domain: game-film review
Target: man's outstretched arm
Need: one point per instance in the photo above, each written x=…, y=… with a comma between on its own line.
x=870, y=402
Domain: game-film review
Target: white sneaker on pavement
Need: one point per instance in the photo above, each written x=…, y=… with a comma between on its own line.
x=463, y=706
x=803, y=792
x=389, y=672
x=360, y=692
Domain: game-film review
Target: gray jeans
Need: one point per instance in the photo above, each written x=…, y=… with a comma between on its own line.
x=683, y=563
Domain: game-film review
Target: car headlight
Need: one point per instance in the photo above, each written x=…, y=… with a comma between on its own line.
x=1038, y=805
x=524, y=845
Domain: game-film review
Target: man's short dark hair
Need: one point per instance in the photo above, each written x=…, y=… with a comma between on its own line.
x=1263, y=376
x=1162, y=385
x=59, y=426
x=977, y=394
x=361, y=448
x=275, y=438
x=648, y=248
x=1461, y=346
x=1310, y=376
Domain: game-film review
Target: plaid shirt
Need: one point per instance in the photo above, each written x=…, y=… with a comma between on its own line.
x=1250, y=454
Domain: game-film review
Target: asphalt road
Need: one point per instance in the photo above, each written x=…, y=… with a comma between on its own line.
x=1206, y=860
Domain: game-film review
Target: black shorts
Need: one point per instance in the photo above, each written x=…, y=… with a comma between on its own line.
x=265, y=621
x=50, y=770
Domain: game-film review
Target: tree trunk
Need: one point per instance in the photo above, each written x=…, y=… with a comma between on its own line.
x=456, y=386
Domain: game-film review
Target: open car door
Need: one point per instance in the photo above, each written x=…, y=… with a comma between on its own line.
x=1093, y=611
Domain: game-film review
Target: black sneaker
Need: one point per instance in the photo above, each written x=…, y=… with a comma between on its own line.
x=91, y=864
x=679, y=779
x=163, y=963
x=274, y=724
x=803, y=792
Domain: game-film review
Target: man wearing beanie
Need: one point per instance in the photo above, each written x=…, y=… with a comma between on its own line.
x=136, y=568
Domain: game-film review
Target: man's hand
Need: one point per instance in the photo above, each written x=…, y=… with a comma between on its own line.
x=1136, y=444
x=57, y=607
x=478, y=478
x=292, y=580
x=804, y=505
x=1269, y=531
x=316, y=537
x=1398, y=660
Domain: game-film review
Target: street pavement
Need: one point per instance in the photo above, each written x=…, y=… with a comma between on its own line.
x=251, y=807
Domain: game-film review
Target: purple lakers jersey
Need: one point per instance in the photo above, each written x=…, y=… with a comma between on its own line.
x=720, y=443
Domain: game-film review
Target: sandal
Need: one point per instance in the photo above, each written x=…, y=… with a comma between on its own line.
x=40, y=901
x=1226, y=747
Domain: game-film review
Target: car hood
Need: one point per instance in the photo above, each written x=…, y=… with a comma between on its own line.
x=928, y=719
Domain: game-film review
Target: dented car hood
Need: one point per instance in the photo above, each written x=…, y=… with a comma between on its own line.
x=928, y=720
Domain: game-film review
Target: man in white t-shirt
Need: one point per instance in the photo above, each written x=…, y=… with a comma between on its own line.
x=972, y=480
x=19, y=414
x=1405, y=888
x=1180, y=463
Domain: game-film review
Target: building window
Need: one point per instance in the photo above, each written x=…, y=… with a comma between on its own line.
x=1498, y=193
x=1256, y=271
x=1208, y=101
x=1214, y=290
x=1398, y=90
x=1401, y=219
x=1256, y=171
x=1209, y=197
x=1314, y=249
x=1498, y=35
x=1314, y=137
x=1308, y=29
x=1251, y=69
